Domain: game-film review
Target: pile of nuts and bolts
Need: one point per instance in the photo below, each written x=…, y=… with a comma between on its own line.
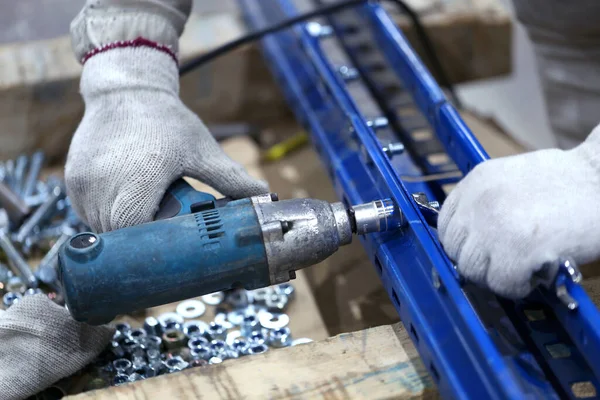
x=245, y=323
x=36, y=218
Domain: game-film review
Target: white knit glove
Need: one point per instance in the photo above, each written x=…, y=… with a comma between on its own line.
x=137, y=137
x=510, y=216
x=41, y=344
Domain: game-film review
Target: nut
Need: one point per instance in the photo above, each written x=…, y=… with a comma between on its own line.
x=219, y=349
x=10, y=298
x=138, y=335
x=117, y=349
x=286, y=289
x=238, y=298
x=123, y=327
x=153, y=355
x=240, y=345
x=120, y=379
x=195, y=328
x=257, y=349
x=217, y=331
x=201, y=353
x=191, y=309
x=33, y=291
x=152, y=326
x=256, y=338
x=276, y=302
x=280, y=337
x=260, y=295
x=170, y=321
x=153, y=342
x=197, y=341
x=249, y=324
x=136, y=377
x=15, y=284
x=175, y=364
x=122, y=366
x=173, y=339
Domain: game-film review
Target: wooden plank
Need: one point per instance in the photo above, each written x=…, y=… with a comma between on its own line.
x=377, y=363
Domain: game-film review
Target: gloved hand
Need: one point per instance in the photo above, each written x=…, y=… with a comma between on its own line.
x=510, y=216
x=41, y=344
x=136, y=136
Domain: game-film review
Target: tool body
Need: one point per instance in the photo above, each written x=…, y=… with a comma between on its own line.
x=199, y=245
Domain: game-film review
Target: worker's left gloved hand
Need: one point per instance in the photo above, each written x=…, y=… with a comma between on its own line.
x=41, y=344
x=510, y=216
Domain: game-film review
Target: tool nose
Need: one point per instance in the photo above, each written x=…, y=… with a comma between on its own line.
x=376, y=216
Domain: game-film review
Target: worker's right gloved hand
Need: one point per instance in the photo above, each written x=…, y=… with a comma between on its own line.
x=136, y=136
x=511, y=216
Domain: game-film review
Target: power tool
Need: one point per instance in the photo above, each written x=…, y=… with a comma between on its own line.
x=199, y=245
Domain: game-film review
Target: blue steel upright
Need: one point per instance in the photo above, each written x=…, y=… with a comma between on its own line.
x=474, y=344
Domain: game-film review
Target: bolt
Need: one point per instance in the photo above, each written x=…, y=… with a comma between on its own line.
x=36, y=162
x=42, y=214
x=319, y=31
x=21, y=268
x=20, y=166
x=378, y=123
x=348, y=74
x=393, y=149
x=46, y=271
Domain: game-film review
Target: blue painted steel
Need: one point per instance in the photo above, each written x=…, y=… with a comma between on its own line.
x=474, y=344
x=172, y=259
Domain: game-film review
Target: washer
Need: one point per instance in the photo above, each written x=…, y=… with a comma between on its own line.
x=213, y=299
x=191, y=309
x=273, y=321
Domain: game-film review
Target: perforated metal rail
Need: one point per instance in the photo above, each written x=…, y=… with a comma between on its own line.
x=384, y=129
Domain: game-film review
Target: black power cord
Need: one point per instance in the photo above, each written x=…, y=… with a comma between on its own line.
x=330, y=9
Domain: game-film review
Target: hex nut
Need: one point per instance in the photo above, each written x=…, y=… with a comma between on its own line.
x=195, y=328
x=15, y=284
x=287, y=289
x=219, y=348
x=175, y=364
x=170, y=320
x=138, y=335
x=153, y=342
x=217, y=331
x=201, y=353
x=260, y=295
x=280, y=337
x=238, y=298
x=10, y=298
x=256, y=338
x=257, y=349
x=122, y=366
x=240, y=345
x=197, y=341
x=250, y=324
x=152, y=326
x=120, y=379
x=173, y=339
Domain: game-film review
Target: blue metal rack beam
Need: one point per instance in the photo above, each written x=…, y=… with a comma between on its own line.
x=474, y=344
